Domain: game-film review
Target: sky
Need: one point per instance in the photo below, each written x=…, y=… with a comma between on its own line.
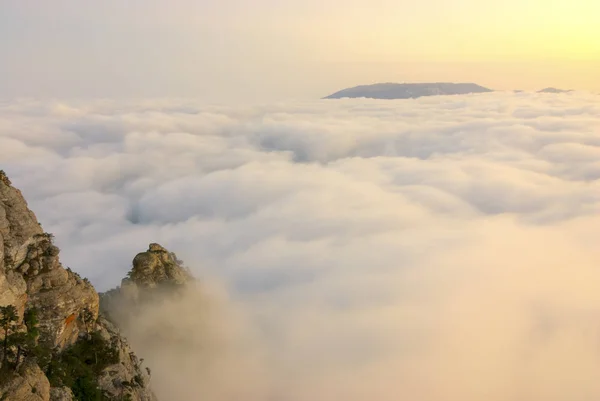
x=434, y=249
x=266, y=50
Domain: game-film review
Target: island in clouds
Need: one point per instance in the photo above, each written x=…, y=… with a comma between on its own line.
x=408, y=91
x=415, y=90
x=555, y=90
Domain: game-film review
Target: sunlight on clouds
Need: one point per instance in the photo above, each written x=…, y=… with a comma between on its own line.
x=435, y=249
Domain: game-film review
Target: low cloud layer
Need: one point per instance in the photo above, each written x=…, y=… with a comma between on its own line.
x=444, y=248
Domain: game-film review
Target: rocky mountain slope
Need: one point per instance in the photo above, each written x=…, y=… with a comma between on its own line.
x=55, y=344
x=408, y=91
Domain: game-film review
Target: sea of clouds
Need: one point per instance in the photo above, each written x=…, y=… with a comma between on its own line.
x=439, y=249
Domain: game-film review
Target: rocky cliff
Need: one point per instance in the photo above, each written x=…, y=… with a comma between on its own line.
x=155, y=274
x=55, y=345
x=156, y=277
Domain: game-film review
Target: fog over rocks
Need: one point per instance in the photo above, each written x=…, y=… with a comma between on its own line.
x=438, y=248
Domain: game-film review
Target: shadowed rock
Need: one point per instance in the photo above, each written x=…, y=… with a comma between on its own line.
x=28, y=383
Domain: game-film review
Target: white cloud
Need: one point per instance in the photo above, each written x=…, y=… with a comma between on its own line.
x=443, y=248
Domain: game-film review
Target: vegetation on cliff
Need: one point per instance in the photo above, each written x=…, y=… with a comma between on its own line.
x=54, y=345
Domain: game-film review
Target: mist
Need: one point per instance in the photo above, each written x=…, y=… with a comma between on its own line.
x=433, y=249
x=197, y=343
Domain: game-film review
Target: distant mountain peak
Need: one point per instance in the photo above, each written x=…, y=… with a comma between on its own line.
x=555, y=90
x=408, y=90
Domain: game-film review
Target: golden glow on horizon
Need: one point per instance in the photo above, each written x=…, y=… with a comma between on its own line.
x=466, y=30
x=252, y=48
x=515, y=44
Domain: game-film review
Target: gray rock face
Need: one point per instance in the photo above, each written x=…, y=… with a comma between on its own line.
x=157, y=266
x=18, y=224
x=61, y=394
x=31, y=274
x=128, y=376
x=18, y=228
x=28, y=383
x=408, y=91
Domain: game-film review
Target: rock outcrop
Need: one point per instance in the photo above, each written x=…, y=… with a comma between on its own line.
x=157, y=267
x=127, y=376
x=18, y=229
x=61, y=394
x=60, y=295
x=28, y=383
x=163, y=311
x=67, y=311
x=31, y=274
x=156, y=274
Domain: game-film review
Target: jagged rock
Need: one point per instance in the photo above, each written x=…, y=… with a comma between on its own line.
x=13, y=291
x=18, y=227
x=61, y=299
x=145, y=308
x=4, y=178
x=127, y=376
x=61, y=394
x=31, y=276
x=156, y=248
x=155, y=274
x=28, y=383
x=157, y=266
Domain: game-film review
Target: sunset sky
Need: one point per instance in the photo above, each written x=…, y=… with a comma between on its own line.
x=433, y=248
x=226, y=50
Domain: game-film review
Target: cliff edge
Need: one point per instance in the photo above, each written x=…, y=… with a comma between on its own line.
x=55, y=344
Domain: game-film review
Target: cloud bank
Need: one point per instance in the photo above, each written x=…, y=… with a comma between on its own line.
x=443, y=248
